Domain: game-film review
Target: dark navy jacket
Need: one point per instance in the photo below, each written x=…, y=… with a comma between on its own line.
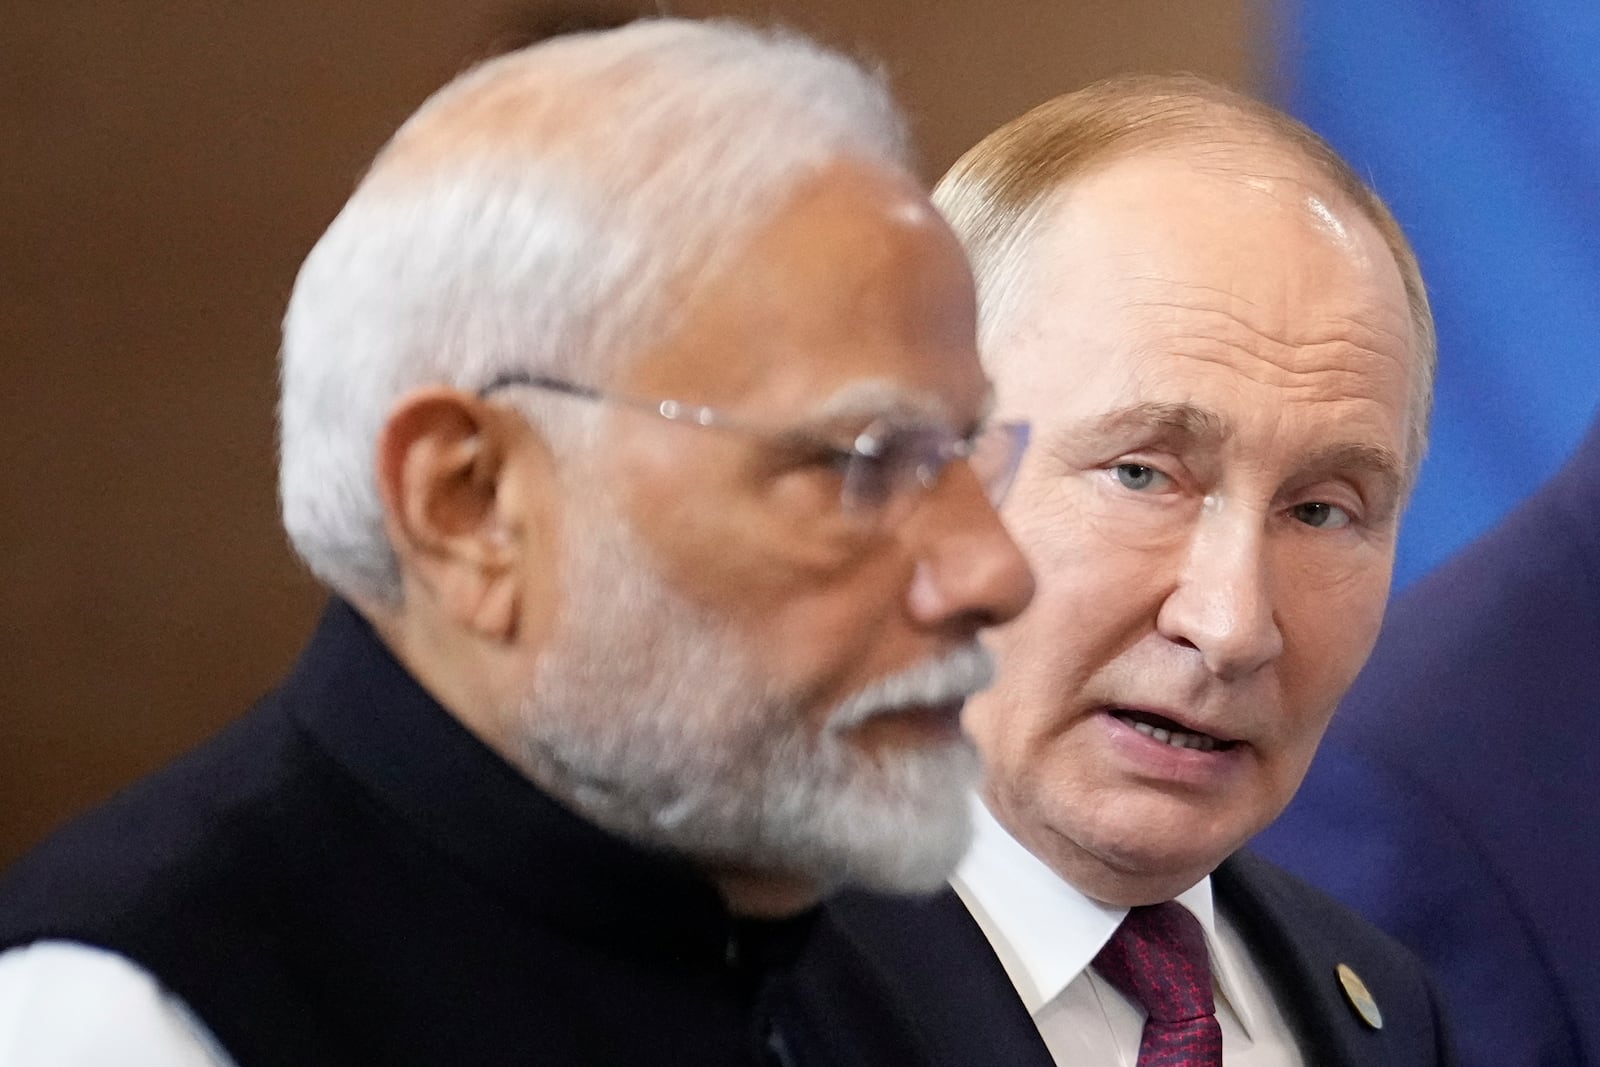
x=948, y=980
x=1456, y=802
x=347, y=876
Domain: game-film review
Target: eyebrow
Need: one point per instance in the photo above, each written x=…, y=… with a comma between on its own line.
x=1183, y=424
x=1187, y=425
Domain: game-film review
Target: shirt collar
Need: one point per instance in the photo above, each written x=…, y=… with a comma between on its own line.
x=1046, y=932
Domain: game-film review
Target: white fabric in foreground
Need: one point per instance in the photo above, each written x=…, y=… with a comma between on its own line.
x=65, y=1003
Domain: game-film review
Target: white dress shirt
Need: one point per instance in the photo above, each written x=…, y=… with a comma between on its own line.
x=62, y=1003
x=1046, y=933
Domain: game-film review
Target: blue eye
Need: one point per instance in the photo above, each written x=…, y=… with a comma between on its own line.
x=1136, y=476
x=1321, y=516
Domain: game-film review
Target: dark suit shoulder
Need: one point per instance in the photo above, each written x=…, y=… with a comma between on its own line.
x=168, y=840
x=189, y=873
x=1300, y=937
x=944, y=980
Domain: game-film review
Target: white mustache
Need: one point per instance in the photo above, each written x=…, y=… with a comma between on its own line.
x=967, y=670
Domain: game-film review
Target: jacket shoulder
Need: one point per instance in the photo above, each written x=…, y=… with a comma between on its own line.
x=1308, y=946
x=169, y=844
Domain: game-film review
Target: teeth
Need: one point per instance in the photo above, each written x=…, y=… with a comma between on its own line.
x=1175, y=738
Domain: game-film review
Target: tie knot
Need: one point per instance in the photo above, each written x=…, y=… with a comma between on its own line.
x=1157, y=958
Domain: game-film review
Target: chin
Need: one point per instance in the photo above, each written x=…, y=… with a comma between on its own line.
x=1130, y=863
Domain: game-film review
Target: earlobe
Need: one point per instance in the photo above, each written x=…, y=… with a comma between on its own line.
x=442, y=458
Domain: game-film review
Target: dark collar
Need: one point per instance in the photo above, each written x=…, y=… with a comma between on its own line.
x=361, y=707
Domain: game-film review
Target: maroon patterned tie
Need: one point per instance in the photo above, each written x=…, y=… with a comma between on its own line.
x=1157, y=958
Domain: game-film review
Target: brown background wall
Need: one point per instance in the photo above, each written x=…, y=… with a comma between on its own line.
x=163, y=169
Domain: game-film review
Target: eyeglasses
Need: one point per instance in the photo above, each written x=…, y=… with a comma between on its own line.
x=888, y=464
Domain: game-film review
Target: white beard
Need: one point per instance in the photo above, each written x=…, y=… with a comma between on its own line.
x=647, y=717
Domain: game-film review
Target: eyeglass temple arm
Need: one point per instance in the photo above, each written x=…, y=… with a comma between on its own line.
x=672, y=410
x=540, y=381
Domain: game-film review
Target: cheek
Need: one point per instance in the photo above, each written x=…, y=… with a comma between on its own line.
x=826, y=621
x=1330, y=628
x=1095, y=593
x=814, y=608
x=1085, y=537
x=1011, y=728
x=719, y=549
x=1045, y=657
x=1328, y=637
x=1059, y=548
x=1035, y=761
x=821, y=636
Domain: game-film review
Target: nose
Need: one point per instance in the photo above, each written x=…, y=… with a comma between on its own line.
x=969, y=574
x=1221, y=604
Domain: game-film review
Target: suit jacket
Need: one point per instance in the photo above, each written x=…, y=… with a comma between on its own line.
x=951, y=986
x=348, y=876
x=1455, y=800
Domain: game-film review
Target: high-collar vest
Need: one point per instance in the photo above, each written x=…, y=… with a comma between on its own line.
x=348, y=876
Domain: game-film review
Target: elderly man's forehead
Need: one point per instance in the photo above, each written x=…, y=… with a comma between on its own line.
x=1227, y=147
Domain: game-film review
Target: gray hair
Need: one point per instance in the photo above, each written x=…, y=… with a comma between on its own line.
x=544, y=212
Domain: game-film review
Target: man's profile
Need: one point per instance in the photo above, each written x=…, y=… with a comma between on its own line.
x=631, y=410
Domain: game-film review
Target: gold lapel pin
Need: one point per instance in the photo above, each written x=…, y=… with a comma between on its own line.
x=1355, y=990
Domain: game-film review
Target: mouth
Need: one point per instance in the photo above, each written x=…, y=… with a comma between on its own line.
x=1169, y=732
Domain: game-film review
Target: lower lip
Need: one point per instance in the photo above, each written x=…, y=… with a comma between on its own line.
x=1158, y=760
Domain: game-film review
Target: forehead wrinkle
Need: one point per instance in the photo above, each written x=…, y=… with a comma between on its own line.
x=1227, y=295
x=1344, y=382
x=1351, y=335
x=1403, y=340
x=1223, y=308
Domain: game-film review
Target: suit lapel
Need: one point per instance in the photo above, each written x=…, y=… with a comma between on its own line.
x=946, y=980
x=1296, y=961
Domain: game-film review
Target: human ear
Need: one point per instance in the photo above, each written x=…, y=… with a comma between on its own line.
x=446, y=462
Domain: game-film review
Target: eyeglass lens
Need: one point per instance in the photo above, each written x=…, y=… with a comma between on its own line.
x=895, y=464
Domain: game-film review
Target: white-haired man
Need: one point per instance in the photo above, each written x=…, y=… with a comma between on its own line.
x=632, y=409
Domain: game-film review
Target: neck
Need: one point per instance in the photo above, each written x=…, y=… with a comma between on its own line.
x=764, y=896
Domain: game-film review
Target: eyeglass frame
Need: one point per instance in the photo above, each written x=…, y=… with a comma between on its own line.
x=866, y=448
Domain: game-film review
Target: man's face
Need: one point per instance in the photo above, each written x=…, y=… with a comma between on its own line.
x=1217, y=367
x=746, y=671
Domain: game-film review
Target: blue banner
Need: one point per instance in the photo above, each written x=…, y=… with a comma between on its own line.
x=1479, y=122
